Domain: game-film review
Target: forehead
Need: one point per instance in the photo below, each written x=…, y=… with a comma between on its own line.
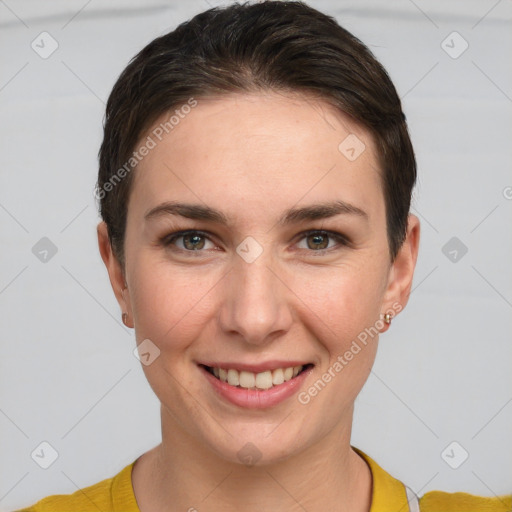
x=258, y=151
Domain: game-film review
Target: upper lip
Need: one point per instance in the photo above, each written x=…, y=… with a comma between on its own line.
x=254, y=368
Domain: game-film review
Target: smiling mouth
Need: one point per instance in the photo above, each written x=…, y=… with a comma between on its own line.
x=257, y=381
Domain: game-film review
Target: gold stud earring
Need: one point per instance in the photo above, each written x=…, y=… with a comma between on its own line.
x=387, y=318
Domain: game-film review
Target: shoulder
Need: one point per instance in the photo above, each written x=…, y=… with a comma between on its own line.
x=439, y=501
x=390, y=494
x=105, y=496
x=88, y=499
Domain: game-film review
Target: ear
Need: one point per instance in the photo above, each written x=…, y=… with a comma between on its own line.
x=402, y=270
x=115, y=273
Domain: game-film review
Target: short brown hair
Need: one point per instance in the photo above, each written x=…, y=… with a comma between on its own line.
x=271, y=45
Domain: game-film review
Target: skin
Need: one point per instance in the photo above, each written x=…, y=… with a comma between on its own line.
x=253, y=156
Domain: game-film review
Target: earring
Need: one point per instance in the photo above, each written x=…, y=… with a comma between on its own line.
x=387, y=318
x=125, y=319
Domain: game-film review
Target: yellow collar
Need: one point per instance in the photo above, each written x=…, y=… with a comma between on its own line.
x=388, y=493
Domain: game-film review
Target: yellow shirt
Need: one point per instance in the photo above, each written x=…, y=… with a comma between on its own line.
x=115, y=494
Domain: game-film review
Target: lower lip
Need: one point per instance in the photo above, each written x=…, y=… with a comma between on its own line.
x=256, y=399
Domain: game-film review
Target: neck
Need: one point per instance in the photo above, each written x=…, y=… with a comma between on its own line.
x=181, y=474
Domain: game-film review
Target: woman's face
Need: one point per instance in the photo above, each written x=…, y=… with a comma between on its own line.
x=285, y=264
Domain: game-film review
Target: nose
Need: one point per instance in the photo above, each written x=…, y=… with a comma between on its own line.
x=256, y=302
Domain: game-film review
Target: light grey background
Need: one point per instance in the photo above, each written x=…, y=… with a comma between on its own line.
x=68, y=375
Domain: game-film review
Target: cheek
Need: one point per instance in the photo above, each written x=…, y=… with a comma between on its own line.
x=343, y=314
x=170, y=308
x=168, y=303
x=342, y=311
x=345, y=299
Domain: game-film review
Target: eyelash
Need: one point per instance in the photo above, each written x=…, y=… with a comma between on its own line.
x=170, y=238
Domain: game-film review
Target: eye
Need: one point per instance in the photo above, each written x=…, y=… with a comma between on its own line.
x=191, y=241
x=318, y=241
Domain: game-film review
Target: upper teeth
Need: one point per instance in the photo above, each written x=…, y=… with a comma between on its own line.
x=250, y=380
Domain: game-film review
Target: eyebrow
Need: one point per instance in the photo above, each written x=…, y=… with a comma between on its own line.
x=291, y=216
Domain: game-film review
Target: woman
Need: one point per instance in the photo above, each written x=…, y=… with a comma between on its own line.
x=255, y=183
